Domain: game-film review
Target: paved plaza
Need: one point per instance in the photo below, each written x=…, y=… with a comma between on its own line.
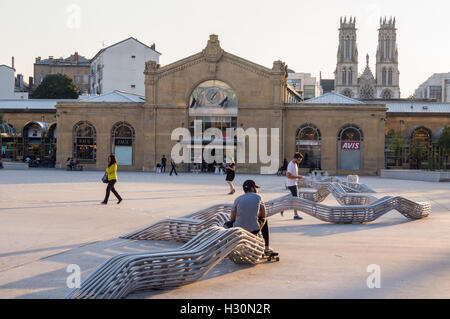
x=50, y=219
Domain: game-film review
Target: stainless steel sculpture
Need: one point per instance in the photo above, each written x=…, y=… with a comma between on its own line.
x=128, y=273
x=208, y=243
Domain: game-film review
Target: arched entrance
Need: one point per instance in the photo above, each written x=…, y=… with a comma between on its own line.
x=308, y=142
x=122, y=138
x=84, y=143
x=419, y=146
x=212, y=105
x=8, y=141
x=350, y=145
x=34, y=145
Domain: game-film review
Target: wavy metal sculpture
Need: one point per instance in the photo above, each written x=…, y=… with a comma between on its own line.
x=208, y=243
x=128, y=273
x=187, y=227
x=183, y=229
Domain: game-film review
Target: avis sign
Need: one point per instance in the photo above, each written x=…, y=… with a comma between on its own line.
x=351, y=146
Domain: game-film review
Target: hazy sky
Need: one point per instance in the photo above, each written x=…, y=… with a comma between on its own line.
x=301, y=33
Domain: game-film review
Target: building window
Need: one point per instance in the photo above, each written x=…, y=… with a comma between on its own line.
x=367, y=92
x=435, y=93
x=122, y=136
x=384, y=76
x=133, y=86
x=347, y=93
x=84, y=143
x=390, y=77
x=344, y=76
x=386, y=95
x=133, y=57
x=308, y=142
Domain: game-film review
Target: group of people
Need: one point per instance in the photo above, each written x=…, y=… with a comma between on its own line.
x=248, y=210
x=173, y=165
x=71, y=163
x=33, y=161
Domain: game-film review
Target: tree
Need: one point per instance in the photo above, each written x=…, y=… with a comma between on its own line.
x=444, y=139
x=56, y=86
x=397, y=146
x=444, y=144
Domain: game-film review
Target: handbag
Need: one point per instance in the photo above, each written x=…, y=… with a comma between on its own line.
x=105, y=178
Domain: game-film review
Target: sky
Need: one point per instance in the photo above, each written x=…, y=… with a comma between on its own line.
x=304, y=34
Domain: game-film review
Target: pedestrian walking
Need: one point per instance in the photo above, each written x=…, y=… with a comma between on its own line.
x=231, y=173
x=111, y=172
x=173, y=167
x=292, y=177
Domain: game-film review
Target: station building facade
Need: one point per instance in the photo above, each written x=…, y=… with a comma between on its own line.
x=222, y=91
x=334, y=132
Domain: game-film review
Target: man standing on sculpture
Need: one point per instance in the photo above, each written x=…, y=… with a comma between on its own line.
x=292, y=177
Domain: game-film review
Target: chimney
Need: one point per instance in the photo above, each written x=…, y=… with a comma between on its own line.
x=75, y=57
x=30, y=82
x=12, y=62
x=38, y=59
x=153, y=47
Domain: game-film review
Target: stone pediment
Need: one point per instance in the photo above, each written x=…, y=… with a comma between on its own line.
x=213, y=54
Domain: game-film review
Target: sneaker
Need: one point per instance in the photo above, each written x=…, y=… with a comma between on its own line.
x=103, y=203
x=296, y=217
x=268, y=251
x=118, y=202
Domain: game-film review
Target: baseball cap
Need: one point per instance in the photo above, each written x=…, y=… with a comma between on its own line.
x=249, y=184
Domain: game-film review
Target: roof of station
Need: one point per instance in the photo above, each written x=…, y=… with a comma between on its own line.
x=333, y=98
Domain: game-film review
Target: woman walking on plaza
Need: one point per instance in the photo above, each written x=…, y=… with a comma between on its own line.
x=111, y=172
x=230, y=169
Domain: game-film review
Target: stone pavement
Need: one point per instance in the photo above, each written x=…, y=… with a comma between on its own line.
x=51, y=218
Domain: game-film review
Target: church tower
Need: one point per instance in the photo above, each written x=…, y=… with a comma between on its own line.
x=387, y=74
x=346, y=73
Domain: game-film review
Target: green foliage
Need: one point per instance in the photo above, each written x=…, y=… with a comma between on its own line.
x=56, y=86
x=397, y=144
x=418, y=152
x=444, y=140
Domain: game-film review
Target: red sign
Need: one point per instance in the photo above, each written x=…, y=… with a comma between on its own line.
x=353, y=146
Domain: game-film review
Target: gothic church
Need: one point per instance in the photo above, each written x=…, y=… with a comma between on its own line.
x=385, y=84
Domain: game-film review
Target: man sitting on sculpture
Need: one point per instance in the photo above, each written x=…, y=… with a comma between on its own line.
x=249, y=213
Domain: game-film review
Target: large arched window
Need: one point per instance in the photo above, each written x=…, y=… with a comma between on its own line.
x=308, y=142
x=7, y=130
x=367, y=92
x=213, y=93
x=390, y=74
x=347, y=93
x=84, y=143
x=383, y=77
x=350, y=144
x=350, y=76
x=344, y=76
x=386, y=95
x=419, y=146
x=348, y=49
x=122, y=137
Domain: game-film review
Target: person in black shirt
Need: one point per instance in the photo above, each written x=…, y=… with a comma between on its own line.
x=230, y=169
x=163, y=163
